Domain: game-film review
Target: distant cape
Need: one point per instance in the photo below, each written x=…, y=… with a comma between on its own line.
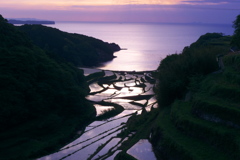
x=15, y=21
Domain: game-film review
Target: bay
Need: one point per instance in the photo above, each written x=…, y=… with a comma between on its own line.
x=146, y=44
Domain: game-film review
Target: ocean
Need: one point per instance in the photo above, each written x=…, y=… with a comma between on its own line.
x=146, y=44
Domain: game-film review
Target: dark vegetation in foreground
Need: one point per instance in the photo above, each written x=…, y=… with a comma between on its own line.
x=206, y=126
x=42, y=97
x=199, y=58
x=198, y=114
x=205, y=123
x=42, y=100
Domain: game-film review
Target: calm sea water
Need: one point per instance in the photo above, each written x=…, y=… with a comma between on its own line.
x=146, y=44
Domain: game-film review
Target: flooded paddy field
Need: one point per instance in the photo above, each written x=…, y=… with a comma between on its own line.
x=117, y=96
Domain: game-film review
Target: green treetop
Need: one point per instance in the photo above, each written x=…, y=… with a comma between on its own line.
x=236, y=35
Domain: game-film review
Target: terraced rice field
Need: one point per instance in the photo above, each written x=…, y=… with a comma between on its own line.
x=122, y=94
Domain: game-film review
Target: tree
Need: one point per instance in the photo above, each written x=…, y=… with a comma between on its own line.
x=236, y=35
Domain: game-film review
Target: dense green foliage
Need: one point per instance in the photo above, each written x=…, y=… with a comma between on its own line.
x=175, y=70
x=204, y=123
x=77, y=49
x=38, y=96
x=198, y=95
x=236, y=35
x=207, y=126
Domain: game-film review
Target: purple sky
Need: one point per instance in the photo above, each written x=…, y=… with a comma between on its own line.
x=164, y=11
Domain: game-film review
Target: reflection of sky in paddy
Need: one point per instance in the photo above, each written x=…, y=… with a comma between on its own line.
x=118, y=100
x=132, y=91
x=124, y=113
x=148, y=86
x=128, y=76
x=152, y=100
x=148, y=108
x=122, y=83
x=142, y=150
x=96, y=98
x=114, y=155
x=105, y=85
x=119, y=76
x=150, y=92
x=109, y=92
x=88, y=71
x=100, y=109
x=136, y=90
x=102, y=126
x=108, y=73
x=94, y=87
x=86, y=152
x=119, y=84
x=129, y=106
x=110, y=144
x=155, y=105
x=141, y=102
x=130, y=83
x=91, y=133
x=97, y=132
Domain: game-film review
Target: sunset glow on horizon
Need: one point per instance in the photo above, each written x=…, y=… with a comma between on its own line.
x=169, y=11
x=89, y=2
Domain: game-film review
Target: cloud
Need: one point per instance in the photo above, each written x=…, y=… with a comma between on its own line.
x=189, y=11
x=133, y=13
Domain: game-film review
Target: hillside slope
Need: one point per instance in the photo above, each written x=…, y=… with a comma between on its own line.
x=207, y=126
x=42, y=102
x=78, y=49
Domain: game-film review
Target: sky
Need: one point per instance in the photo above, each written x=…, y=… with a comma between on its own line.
x=153, y=11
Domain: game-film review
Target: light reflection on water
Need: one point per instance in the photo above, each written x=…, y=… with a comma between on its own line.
x=130, y=106
x=94, y=87
x=110, y=144
x=142, y=150
x=122, y=92
x=113, y=156
x=88, y=71
x=100, y=109
x=147, y=44
x=96, y=134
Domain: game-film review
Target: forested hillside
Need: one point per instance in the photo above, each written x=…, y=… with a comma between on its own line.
x=198, y=94
x=206, y=124
x=175, y=71
x=75, y=48
x=42, y=102
x=177, y=129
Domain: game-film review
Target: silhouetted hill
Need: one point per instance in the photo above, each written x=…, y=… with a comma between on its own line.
x=42, y=102
x=75, y=48
x=15, y=21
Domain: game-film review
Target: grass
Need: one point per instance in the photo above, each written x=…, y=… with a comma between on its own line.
x=215, y=134
x=176, y=144
x=178, y=132
x=224, y=111
x=182, y=132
